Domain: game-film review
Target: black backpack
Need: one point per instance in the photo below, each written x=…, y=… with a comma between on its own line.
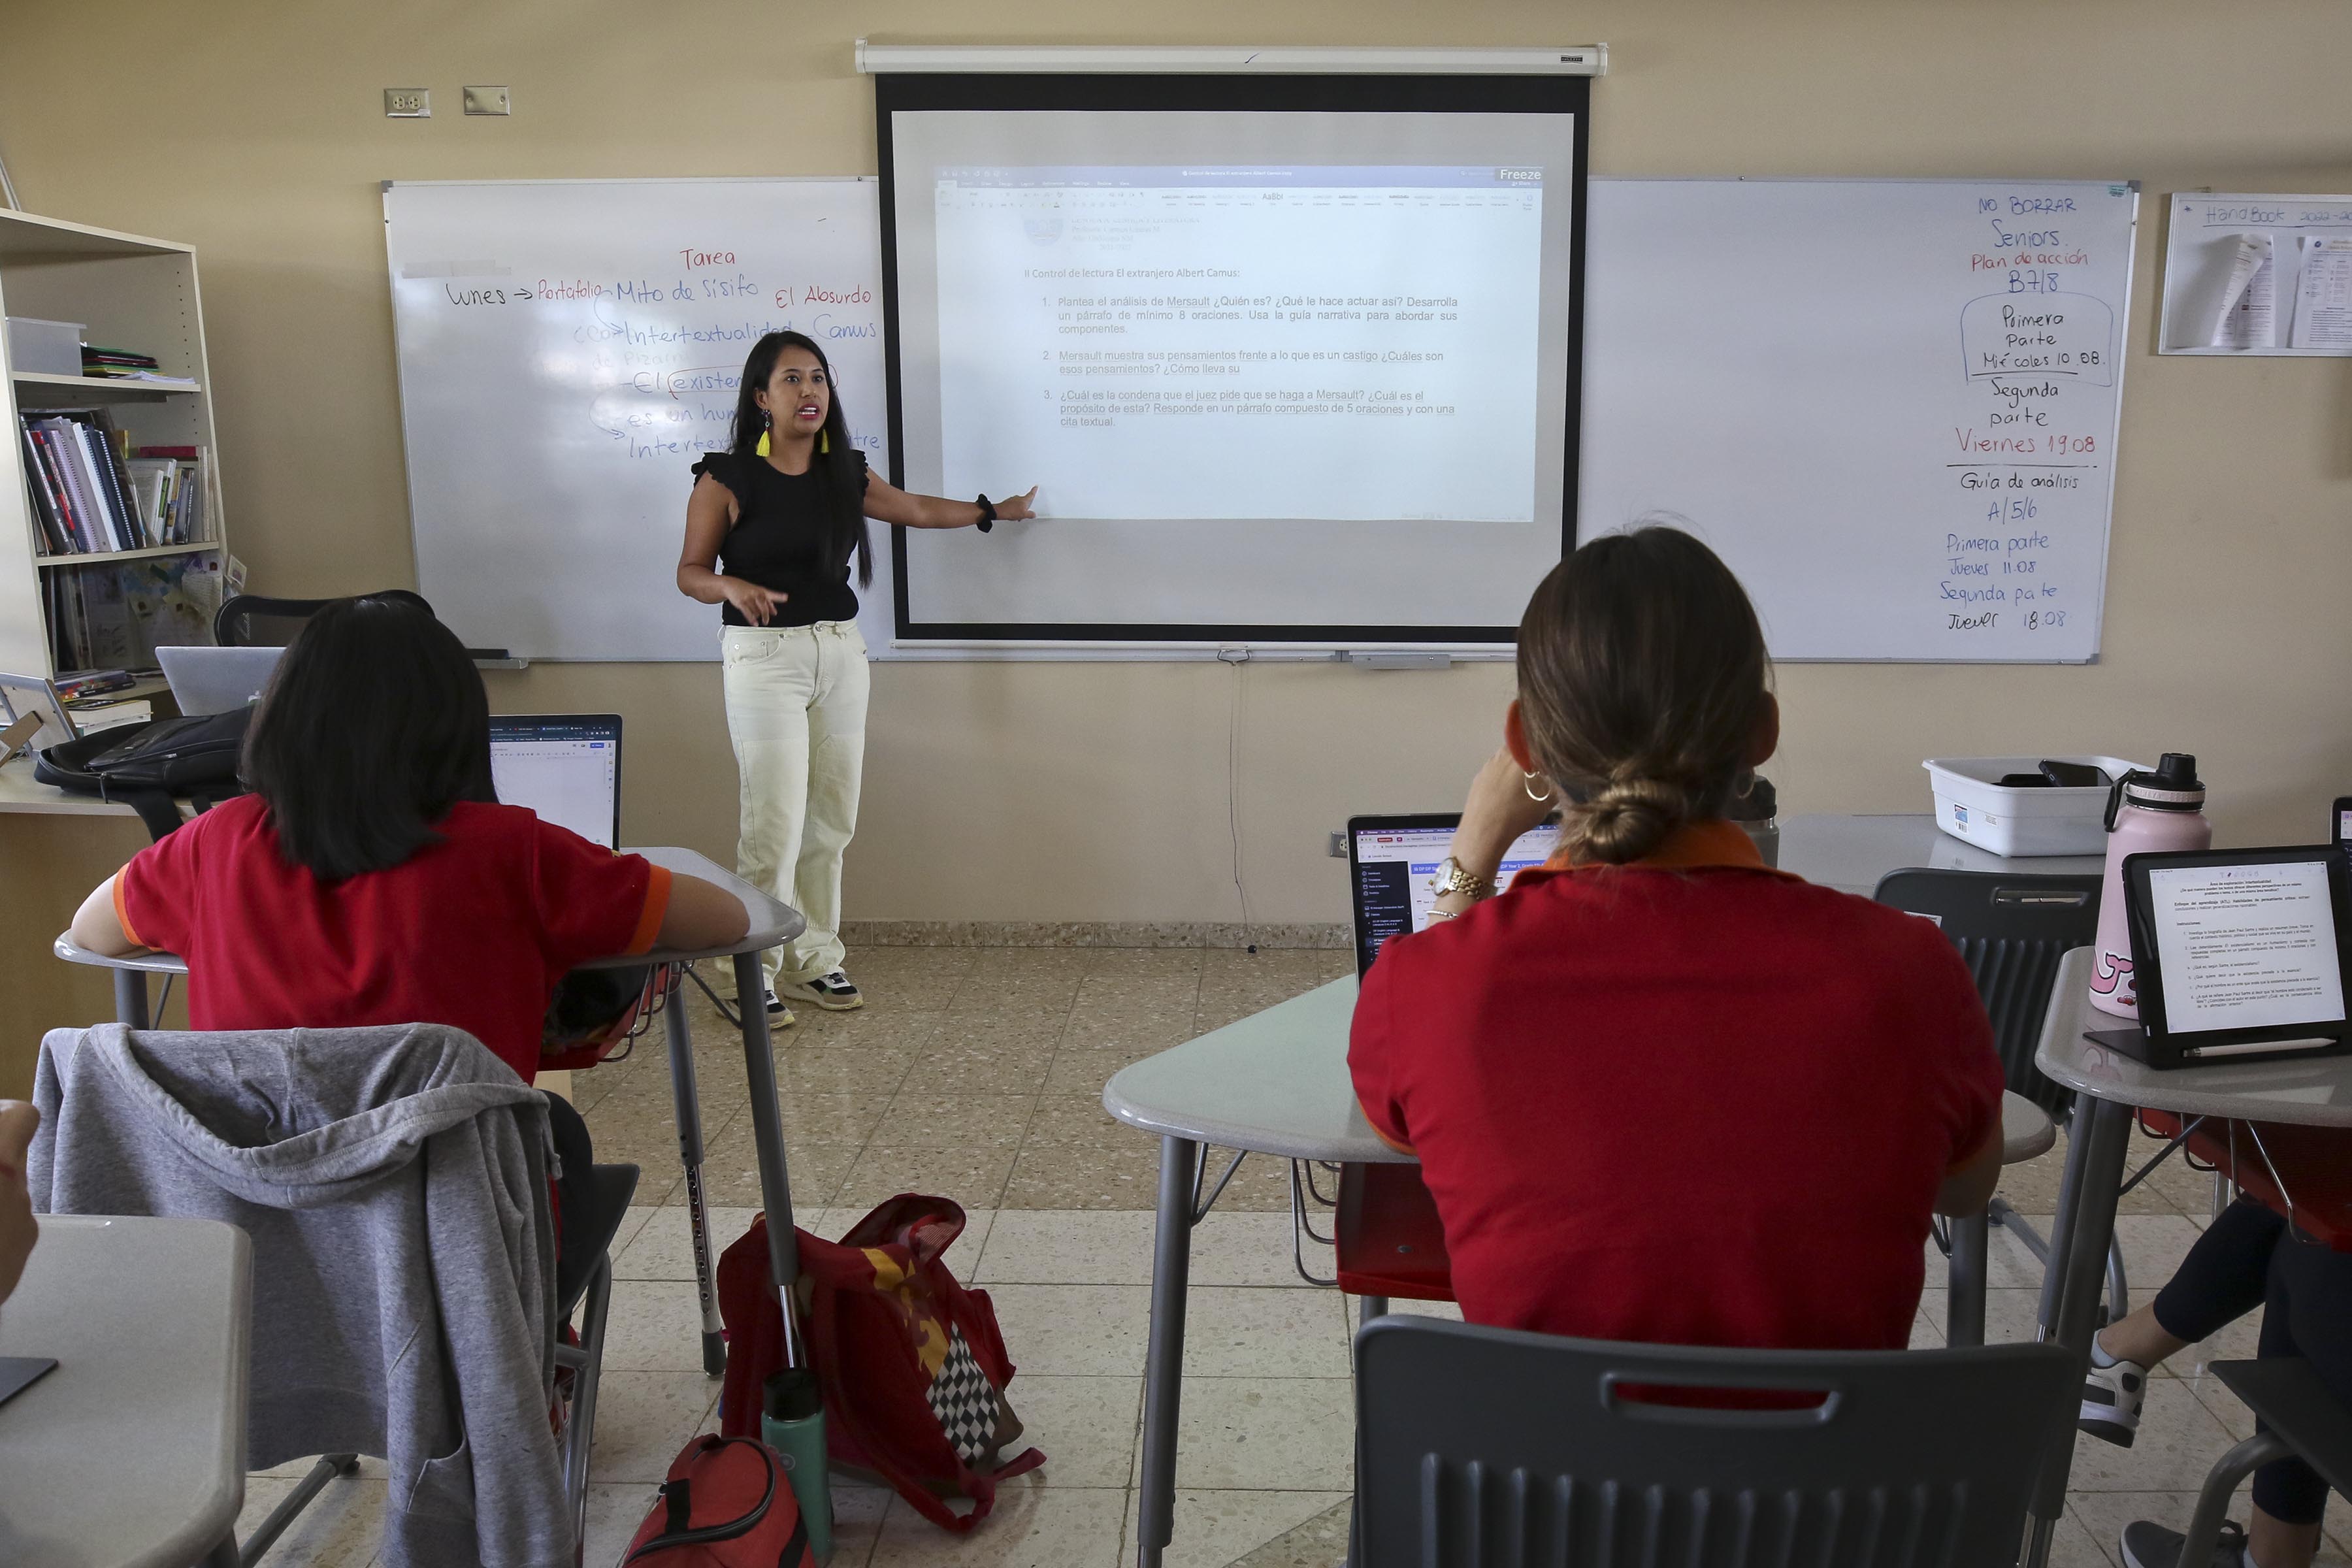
x=145, y=766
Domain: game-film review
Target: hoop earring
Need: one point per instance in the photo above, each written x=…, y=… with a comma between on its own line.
x=1527, y=782
x=1747, y=784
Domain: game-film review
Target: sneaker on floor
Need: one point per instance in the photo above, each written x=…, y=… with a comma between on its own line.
x=2149, y=1545
x=779, y=1015
x=2112, y=1395
x=833, y=991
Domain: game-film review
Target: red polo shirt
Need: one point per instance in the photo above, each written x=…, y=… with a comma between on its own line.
x=472, y=932
x=1690, y=1101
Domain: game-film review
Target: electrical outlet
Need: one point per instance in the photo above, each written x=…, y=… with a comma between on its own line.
x=408, y=103
x=487, y=101
x=1338, y=848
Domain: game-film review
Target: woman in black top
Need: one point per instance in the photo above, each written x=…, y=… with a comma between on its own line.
x=770, y=527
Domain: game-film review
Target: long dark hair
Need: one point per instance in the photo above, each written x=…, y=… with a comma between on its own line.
x=1642, y=675
x=373, y=725
x=835, y=462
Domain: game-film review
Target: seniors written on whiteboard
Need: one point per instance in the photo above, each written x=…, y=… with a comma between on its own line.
x=770, y=527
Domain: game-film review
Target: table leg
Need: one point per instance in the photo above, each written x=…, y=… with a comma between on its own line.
x=1163, y=1361
x=686, y=1106
x=131, y=998
x=768, y=1138
x=1964, y=1287
x=2079, y=1238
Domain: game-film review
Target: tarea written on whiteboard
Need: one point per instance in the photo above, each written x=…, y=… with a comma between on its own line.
x=642, y=332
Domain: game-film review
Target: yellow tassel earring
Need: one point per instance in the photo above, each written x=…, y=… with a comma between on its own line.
x=766, y=421
x=823, y=442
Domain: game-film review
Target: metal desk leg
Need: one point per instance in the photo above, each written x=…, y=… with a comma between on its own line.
x=2079, y=1238
x=131, y=998
x=686, y=1105
x=768, y=1137
x=1163, y=1361
x=1964, y=1287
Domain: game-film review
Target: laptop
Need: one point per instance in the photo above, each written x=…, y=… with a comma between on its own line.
x=216, y=680
x=2237, y=955
x=566, y=767
x=1390, y=860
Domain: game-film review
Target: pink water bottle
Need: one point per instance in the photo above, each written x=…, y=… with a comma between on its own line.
x=2146, y=811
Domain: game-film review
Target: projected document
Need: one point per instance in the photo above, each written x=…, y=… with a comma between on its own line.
x=1274, y=371
x=1332, y=343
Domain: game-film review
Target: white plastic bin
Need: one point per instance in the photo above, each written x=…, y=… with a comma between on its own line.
x=36, y=347
x=1971, y=804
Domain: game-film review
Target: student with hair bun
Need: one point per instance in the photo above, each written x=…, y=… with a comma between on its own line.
x=1659, y=1090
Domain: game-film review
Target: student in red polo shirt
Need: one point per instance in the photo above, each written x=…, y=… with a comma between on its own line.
x=1659, y=1091
x=373, y=878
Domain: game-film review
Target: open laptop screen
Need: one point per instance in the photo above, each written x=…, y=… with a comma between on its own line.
x=1390, y=862
x=565, y=767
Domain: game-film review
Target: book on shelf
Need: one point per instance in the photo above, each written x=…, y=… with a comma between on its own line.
x=95, y=359
x=114, y=614
x=90, y=497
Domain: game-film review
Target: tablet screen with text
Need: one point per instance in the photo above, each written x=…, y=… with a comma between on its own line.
x=2246, y=946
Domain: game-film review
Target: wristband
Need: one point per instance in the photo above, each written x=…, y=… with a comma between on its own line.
x=987, y=514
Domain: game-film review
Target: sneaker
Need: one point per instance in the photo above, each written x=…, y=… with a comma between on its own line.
x=2150, y=1545
x=2111, y=1395
x=833, y=991
x=779, y=1015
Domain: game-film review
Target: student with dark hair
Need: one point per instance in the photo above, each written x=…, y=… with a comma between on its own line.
x=772, y=526
x=1660, y=1091
x=373, y=878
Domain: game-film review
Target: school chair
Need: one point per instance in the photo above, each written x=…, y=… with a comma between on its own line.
x=2298, y=1170
x=2010, y=931
x=1485, y=1447
x=2300, y=1418
x=253, y=620
x=1388, y=1240
x=583, y=1268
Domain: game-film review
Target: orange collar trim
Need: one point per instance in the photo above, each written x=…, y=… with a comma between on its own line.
x=1715, y=844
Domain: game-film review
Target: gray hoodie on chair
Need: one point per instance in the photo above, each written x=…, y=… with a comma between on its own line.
x=394, y=1181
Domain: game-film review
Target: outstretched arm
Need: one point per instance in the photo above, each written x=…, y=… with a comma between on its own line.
x=885, y=502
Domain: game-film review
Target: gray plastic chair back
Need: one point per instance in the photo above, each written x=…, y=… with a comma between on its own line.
x=2011, y=932
x=1482, y=1448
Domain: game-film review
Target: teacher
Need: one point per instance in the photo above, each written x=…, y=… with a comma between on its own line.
x=770, y=527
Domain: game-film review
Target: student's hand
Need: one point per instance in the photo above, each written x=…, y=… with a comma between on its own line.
x=18, y=1121
x=754, y=604
x=1502, y=806
x=1017, y=508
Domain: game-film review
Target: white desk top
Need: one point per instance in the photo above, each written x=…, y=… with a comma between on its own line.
x=19, y=793
x=2316, y=1092
x=772, y=923
x=131, y=1453
x=1852, y=853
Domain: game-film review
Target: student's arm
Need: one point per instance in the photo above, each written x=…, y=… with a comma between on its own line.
x=701, y=914
x=885, y=502
x=98, y=925
x=709, y=514
x=1968, y=1186
x=18, y=1229
x=1370, y=1057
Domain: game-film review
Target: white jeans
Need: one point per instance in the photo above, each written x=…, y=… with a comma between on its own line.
x=797, y=712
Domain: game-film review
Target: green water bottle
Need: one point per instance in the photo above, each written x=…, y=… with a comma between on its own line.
x=791, y=1422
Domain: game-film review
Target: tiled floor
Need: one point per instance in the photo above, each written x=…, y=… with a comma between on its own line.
x=976, y=1074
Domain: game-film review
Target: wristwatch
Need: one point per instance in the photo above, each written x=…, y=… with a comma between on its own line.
x=1453, y=878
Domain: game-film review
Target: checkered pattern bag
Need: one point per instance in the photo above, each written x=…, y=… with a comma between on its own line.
x=912, y=1365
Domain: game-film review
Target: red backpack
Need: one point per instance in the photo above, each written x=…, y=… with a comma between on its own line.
x=726, y=1504
x=911, y=1363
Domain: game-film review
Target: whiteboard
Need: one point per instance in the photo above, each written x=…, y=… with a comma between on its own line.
x=2201, y=240
x=1786, y=364
x=567, y=349
x=1890, y=405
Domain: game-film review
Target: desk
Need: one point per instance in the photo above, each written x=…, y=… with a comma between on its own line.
x=771, y=923
x=1278, y=1083
x=2108, y=1088
x=131, y=1453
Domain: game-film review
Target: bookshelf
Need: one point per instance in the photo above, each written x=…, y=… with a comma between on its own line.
x=133, y=293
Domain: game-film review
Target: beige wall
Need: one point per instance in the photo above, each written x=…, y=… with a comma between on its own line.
x=255, y=132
